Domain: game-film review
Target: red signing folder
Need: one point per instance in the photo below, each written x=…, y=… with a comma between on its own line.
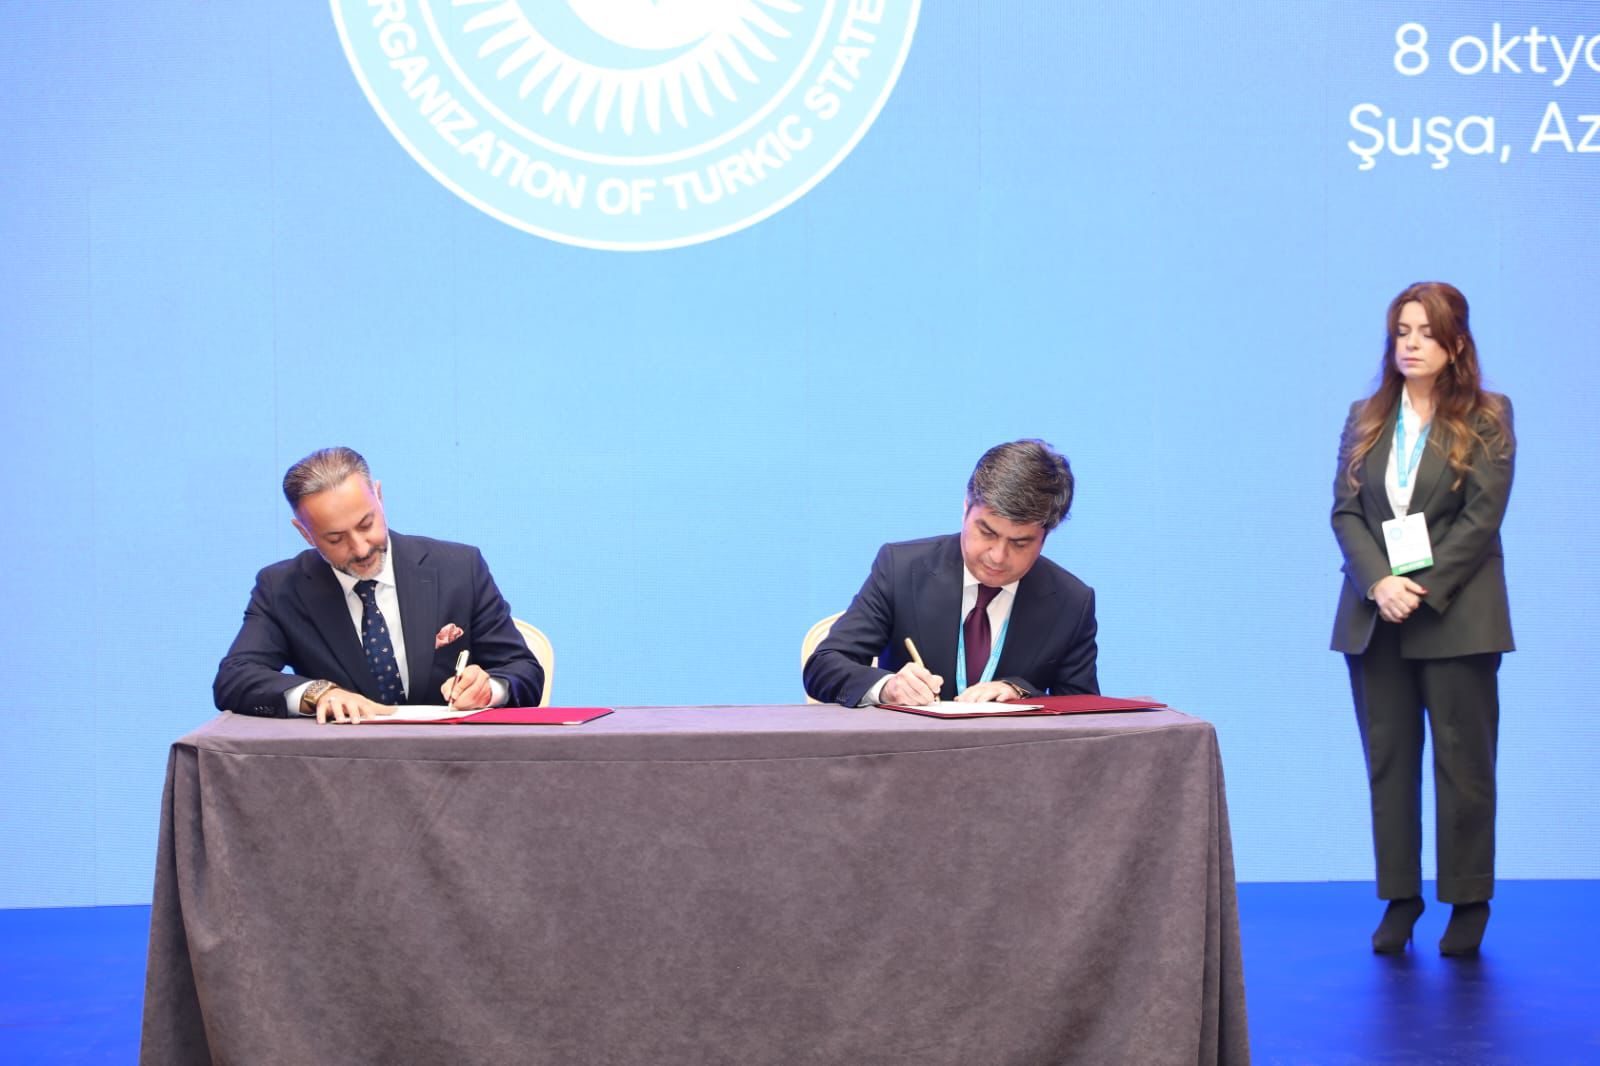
x=1031, y=706
x=533, y=716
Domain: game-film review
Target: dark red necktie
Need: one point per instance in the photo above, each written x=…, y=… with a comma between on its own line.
x=975, y=631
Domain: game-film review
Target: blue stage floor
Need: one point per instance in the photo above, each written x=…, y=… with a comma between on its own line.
x=71, y=981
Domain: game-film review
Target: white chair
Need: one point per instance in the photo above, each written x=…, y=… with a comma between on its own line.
x=816, y=635
x=539, y=644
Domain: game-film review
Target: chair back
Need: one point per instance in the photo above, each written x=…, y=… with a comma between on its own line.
x=539, y=644
x=816, y=635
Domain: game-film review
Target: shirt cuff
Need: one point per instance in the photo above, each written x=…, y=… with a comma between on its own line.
x=499, y=692
x=292, y=697
x=874, y=692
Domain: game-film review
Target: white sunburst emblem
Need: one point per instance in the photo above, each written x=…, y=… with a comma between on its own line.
x=627, y=124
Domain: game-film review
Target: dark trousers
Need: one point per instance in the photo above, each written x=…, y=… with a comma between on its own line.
x=1461, y=700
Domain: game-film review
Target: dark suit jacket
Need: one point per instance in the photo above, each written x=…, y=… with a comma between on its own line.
x=1466, y=611
x=298, y=618
x=914, y=591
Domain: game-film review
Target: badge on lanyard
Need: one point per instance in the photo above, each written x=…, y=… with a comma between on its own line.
x=1408, y=543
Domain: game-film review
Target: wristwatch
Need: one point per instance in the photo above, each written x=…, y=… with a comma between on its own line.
x=314, y=692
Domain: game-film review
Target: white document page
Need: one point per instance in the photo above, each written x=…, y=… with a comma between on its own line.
x=419, y=712
x=952, y=707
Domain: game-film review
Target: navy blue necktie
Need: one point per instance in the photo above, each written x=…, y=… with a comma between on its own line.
x=378, y=645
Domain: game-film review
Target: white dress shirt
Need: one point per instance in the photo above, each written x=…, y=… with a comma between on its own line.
x=1400, y=497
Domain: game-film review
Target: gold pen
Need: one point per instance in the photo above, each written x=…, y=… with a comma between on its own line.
x=916, y=657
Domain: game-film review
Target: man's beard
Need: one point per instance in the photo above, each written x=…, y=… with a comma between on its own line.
x=375, y=555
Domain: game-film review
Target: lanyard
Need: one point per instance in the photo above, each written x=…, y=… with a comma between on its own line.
x=1402, y=468
x=988, y=668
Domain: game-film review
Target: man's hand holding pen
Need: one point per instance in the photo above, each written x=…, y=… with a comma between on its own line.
x=469, y=688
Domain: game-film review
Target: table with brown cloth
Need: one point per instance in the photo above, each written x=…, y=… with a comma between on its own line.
x=697, y=885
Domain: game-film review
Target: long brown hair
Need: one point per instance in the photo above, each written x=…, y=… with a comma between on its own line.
x=1471, y=417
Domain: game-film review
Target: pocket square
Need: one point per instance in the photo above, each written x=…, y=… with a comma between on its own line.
x=447, y=635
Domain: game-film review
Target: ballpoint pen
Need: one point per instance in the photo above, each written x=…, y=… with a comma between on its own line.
x=461, y=664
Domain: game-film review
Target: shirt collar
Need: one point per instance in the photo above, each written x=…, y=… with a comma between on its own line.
x=385, y=574
x=968, y=581
x=1407, y=412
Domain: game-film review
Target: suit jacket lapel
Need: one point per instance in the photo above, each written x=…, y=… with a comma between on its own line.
x=330, y=613
x=1431, y=469
x=936, y=591
x=1376, y=481
x=417, y=586
x=1030, y=621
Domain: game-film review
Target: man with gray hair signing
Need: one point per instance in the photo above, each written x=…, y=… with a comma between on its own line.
x=370, y=618
x=991, y=618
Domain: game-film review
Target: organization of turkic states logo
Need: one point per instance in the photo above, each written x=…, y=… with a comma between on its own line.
x=627, y=124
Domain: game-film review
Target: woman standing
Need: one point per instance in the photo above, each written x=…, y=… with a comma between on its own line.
x=1425, y=468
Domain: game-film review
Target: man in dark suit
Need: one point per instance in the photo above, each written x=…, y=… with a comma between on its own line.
x=991, y=618
x=370, y=618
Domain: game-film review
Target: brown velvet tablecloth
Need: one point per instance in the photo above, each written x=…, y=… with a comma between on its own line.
x=697, y=886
